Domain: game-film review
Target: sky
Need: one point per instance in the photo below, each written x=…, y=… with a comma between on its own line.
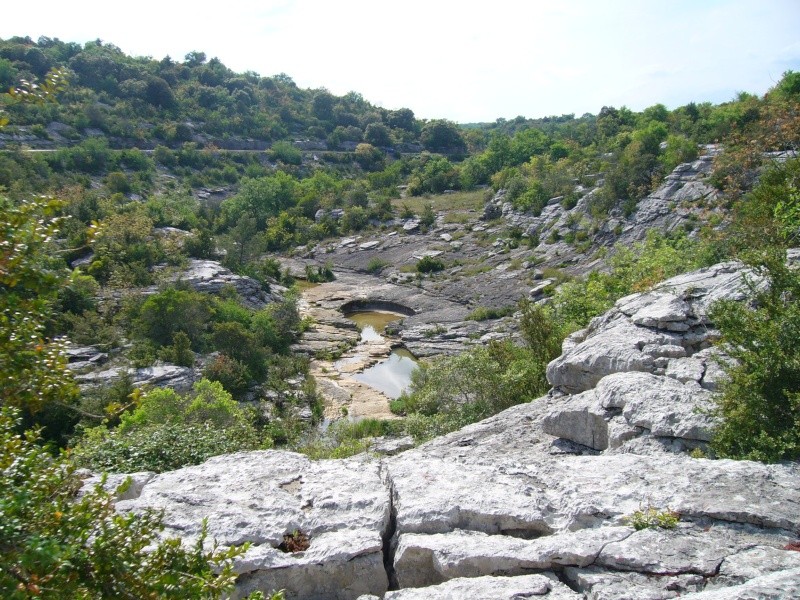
x=460, y=60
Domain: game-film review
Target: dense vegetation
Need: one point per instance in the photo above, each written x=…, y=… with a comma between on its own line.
x=140, y=146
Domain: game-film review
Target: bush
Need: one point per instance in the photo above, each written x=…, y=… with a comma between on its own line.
x=162, y=447
x=321, y=274
x=56, y=545
x=760, y=401
x=232, y=374
x=428, y=264
x=484, y=313
x=651, y=518
x=451, y=392
x=162, y=315
x=376, y=265
x=634, y=269
x=286, y=153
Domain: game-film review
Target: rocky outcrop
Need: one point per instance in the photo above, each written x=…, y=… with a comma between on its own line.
x=210, y=277
x=538, y=500
x=646, y=367
x=181, y=379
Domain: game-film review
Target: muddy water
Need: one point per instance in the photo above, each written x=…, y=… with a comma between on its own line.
x=391, y=376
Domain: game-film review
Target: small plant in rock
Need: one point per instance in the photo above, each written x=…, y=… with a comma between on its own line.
x=651, y=518
x=297, y=541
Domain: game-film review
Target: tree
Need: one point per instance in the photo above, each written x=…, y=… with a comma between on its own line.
x=33, y=369
x=261, y=198
x=378, y=134
x=164, y=314
x=402, y=118
x=443, y=136
x=369, y=157
x=760, y=401
x=54, y=544
x=322, y=105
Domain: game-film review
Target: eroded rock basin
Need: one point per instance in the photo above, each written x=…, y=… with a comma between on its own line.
x=358, y=368
x=391, y=376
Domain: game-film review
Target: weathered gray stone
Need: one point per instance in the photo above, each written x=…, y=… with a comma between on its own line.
x=411, y=225
x=178, y=378
x=686, y=369
x=754, y=562
x=598, y=583
x=210, y=277
x=581, y=419
x=661, y=405
x=392, y=446
x=423, y=560
x=617, y=349
x=668, y=552
x=258, y=497
x=782, y=585
x=491, y=588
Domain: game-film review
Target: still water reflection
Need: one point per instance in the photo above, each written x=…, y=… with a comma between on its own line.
x=393, y=375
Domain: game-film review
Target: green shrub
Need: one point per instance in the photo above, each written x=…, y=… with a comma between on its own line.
x=180, y=352
x=760, y=401
x=376, y=265
x=209, y=403
x=634, y=269
x=484, y=313
x=232, y=374
x=286, y=153
x=451, y=392
x=142, y=354
x=56, y=545
x=162, y=447
x=428, y=264
x=162, y=315
x=230, y=310
x=321, y=274
x=345, y=438
x=234, y=340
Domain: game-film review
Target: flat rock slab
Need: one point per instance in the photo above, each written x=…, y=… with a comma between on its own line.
x=422, y=560
x=258, y=497
x=491, y=588
x=783, y=585
x=549, y=494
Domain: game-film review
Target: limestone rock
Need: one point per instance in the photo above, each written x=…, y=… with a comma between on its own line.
x=258, y=497
x=423, y=560
x=666, y=323
x=210, y=277
x=492, y=588
x=180, y=379
x=782, y=585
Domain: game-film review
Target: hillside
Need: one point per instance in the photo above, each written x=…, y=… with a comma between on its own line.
x=186, y=249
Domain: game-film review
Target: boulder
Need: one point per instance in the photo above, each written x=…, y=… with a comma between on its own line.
x=669, y=322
